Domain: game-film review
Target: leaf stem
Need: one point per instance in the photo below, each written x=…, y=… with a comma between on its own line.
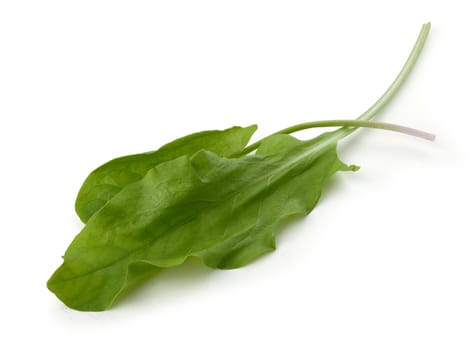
x=347, y=124
x=401, y=77
x=360, y=123
x=370, y=113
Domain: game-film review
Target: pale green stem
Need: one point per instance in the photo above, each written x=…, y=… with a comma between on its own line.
x=348, y=124
x=374, y=109
x=360, y=123
x=401, y=77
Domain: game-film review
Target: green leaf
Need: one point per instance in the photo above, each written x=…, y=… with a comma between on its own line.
x=226, y=211
x=107, y=180
x=153, y=211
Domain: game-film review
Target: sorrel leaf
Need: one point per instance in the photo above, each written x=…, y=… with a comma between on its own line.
x=193, y=206
x=108, y=179
x=203, y=198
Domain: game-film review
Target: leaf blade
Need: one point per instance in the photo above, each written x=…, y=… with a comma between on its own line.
x=194, y=206
x=107, y=180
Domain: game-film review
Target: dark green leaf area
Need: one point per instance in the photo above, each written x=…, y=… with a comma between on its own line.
x=107, y=180
x=226, y=211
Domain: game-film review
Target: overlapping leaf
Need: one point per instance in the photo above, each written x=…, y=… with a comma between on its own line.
x=107, y=180
x=226, y=211
x=152, y=211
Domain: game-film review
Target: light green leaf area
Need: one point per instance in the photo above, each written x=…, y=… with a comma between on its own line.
x=108, y=179
x=226, y=211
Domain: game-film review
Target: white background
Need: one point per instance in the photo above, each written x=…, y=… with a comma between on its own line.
x=386, y=261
